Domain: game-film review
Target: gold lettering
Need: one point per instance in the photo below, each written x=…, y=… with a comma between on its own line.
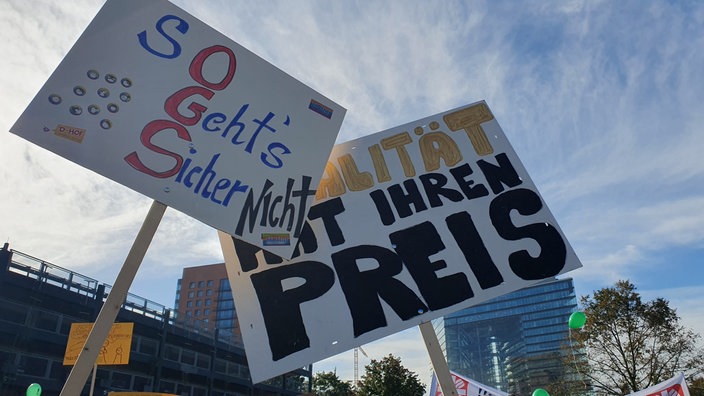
x=469, y=120
x=398, y=142
x=436, y=145
x=382, y=171
x=331, y=184
x=343, y=174
x=355, y=180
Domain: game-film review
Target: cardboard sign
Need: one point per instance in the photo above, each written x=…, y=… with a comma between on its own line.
x=409, y=224
x=465, y=387
x=156, y=100
x=115, y=350
x=675, y=386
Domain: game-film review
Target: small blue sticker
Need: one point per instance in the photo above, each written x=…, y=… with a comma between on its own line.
x=320, y=108
x=276, y=239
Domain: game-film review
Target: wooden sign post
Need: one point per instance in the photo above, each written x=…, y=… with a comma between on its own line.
x=437, y=358
x=103, y=323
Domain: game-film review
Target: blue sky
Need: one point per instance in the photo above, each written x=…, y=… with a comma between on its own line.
x=602, y=101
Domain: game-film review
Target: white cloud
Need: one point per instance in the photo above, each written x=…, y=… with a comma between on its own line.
x=601, y=101
x=686, y=301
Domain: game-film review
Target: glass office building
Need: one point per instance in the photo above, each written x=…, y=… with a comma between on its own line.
x=515, y=342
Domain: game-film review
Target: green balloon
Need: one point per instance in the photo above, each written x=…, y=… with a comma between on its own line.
x=540, y=392
x=34, y=390
x=577, y=320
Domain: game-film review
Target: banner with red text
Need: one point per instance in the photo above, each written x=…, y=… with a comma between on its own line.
x=153, y=98
x=675, y=386
x=465, y=387
x=408, y=225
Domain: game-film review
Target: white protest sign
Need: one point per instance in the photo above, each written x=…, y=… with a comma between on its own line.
x=410, y=224
x=156, y=100
x=464, y=387
x=675, y=386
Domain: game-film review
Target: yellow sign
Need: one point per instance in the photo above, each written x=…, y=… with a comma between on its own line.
x=116, y=349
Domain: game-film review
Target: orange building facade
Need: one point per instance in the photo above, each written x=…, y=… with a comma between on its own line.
x=201, y=293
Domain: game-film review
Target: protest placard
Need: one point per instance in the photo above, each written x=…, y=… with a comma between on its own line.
x=409, y=224
x=115, y=350
x=153, y=98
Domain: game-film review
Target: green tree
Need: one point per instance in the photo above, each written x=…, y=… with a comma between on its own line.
x=632, y=344
x=329, y=384
x=388, y=377
x=696, y=386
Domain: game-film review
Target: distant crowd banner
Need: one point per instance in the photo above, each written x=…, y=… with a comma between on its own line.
x=675, y=386
x=155, y=99
x=465, y=387
x=409, y=224
x=115, y=350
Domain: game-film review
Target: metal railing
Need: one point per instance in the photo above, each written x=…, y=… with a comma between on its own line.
x=52, y=274
x=46, y=272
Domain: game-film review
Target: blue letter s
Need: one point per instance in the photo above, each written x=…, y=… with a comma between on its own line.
x=279, y=163
x=181, y=27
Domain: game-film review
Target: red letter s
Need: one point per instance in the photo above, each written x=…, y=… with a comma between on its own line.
x=148, y=133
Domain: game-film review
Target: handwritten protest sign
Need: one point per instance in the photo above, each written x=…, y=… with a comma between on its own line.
x=409, y=224
x=156, y=100
x=115, y=350
x=464, y=387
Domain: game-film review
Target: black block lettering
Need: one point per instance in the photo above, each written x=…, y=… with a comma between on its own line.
x=433, y=184
x=363, y=289
x=246, y=254
x=553, y=252
x=281, y=307
x=472, y=246
x=460, y=174
x=403, y=200
x=307, y=241
x=327, y=211
x=382, y=206
x=415, y=245
x=303, y=193
x=500, y=174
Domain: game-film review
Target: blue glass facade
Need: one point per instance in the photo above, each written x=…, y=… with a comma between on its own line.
x=226, y=315
x=514, y=342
